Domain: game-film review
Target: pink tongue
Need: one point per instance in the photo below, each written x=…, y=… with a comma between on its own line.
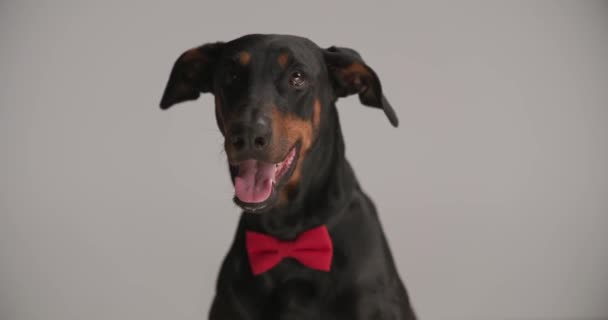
x=254, y=182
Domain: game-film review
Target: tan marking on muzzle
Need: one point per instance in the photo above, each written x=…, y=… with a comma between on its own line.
x=316, y=117
x=290, y=129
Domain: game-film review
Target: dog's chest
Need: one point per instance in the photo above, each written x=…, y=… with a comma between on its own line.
x=291, y=291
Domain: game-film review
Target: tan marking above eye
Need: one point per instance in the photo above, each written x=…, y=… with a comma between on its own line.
x=244, y=58
x=283, y=59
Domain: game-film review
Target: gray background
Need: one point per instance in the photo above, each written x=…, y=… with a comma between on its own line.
x=493, y=192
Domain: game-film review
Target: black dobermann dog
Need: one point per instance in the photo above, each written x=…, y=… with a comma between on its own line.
x=309, y=244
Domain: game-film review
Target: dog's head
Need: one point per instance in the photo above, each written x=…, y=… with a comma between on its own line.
x=272, y=94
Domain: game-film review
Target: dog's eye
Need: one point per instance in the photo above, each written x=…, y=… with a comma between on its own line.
x=297, y=80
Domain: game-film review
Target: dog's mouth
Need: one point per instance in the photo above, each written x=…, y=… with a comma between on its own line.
x=256, y=182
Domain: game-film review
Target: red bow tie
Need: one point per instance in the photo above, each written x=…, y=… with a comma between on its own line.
x=312, y=248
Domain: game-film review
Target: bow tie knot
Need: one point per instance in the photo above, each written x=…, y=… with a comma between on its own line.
x=285, y=248
x=312, y=248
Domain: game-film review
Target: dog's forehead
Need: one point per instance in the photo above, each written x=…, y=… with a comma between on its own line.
x=261, y=47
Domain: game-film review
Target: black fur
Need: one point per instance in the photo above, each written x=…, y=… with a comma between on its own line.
x=363, y=282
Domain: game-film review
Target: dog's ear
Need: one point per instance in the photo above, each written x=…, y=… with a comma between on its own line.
x=192, y=74
x=350, y=75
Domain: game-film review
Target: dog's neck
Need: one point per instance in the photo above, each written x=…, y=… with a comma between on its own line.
x=322, y=196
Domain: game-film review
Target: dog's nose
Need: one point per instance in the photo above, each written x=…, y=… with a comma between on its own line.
x=251, y=136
